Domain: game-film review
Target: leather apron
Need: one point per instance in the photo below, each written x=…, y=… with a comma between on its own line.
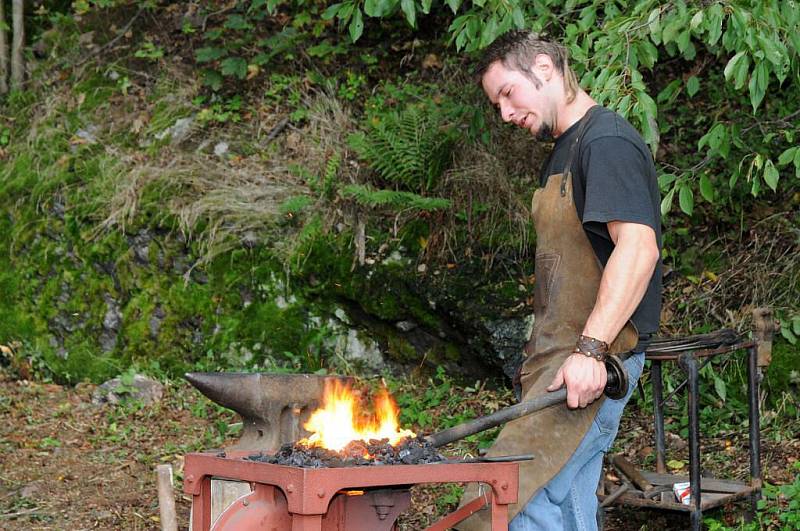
x=567, y=281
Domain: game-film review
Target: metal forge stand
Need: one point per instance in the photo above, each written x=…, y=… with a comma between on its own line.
x=654, y=490
x=366, y=498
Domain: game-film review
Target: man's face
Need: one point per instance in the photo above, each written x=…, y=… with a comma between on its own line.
x=519, y=100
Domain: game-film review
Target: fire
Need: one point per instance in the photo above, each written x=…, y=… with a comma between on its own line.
x=337, y=422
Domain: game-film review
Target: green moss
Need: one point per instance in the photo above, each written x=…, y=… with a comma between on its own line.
x=399, y=349
x=784, y=369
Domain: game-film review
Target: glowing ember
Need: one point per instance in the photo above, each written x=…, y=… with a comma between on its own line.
x=336, y=423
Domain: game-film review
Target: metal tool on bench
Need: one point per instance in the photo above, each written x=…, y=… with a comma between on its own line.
x=616, y=387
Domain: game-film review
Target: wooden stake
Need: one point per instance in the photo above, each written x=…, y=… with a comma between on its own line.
x=17, y=42
x=166, y=498
x=3, y=51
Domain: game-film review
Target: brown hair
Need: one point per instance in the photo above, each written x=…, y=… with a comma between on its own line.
x=517, y=49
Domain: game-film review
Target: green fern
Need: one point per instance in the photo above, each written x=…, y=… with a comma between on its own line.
x=367, y=196
x=411, y=149
x=294, y=205
x=331, y=170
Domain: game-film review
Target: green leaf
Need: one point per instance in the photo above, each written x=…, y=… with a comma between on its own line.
x=671, y=31
x=208, y=54
x=648, y=54
x=742, y=69
x=720, y=388
x=371, y=8
x=714, y=23
x=706, y=188
x=683, y=43
x=654, y=25
x=732, y=63
x=796, y=325
x=758, y=84
x=331, y=12
x=787, y=156
x=234, y=66
x=686, y=199
x=771, y=51
x=670, y=91
x=237, y=22
x=692, y=86
x=666, y=203
x=454, y=4
x=212, y=79
x=356, y=25
x=588, y=17
x=490, y=30
x=666, y=179
x=518, y=16
x=697, y=19
x=771, y=175
x=675, y=464
x=410, y=11
x=788, y=335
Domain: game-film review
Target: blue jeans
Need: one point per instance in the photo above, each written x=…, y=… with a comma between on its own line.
x=569, y=500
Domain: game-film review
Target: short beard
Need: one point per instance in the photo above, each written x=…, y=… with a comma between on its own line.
x=545, y=133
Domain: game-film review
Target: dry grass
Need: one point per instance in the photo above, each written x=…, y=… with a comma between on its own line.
x=225, y=202
x=761, y=269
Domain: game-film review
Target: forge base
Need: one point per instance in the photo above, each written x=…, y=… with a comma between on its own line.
x=304, y=499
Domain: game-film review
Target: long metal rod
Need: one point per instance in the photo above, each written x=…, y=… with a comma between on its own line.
x=498, y=417
x=658, y=414
x=689, y=364
x=753, y=375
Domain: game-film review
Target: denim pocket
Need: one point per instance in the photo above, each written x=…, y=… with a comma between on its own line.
x=607, y=418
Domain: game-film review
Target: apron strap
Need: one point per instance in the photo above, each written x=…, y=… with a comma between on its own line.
x=575, y=147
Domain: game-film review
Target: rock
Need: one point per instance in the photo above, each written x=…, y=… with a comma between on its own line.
x=112, y=321
x=155, y=321
x=406, y=326
x=141, y=246
x=140, y=388
x=342, y=316
x=178, y=132
x=89, y=135
x=394, y=258
x=113, y=317
x=363, y=351
x=29, y=490
x=508, y=338
x=220, y=149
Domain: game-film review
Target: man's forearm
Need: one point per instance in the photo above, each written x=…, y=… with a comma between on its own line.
x=624, y=281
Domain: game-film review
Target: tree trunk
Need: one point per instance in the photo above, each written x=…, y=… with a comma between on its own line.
x=3, y=51
x=17, y=64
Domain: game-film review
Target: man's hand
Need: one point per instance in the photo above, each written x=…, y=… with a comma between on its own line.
x=584, y=377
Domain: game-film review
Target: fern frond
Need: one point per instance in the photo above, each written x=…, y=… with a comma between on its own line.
x=370, y=197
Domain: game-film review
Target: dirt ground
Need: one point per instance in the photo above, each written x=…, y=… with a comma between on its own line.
x=67, y=464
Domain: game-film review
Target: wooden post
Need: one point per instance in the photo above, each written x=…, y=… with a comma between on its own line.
x=764, y=328
x=3, y=50
x=166, y=498
x=17, y=42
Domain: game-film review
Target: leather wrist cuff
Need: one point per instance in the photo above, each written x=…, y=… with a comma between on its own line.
x=591, y=347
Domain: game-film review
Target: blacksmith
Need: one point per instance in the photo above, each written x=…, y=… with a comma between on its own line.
x=598, y=278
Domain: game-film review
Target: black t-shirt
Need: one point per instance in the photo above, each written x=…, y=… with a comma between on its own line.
x=614, y=179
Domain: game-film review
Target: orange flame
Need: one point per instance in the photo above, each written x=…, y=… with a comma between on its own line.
x=337, y=423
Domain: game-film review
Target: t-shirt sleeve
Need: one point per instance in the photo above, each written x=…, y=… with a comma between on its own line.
x=617, y=187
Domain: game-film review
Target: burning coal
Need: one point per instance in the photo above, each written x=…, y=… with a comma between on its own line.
x=343, y=433
x=409, y=451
